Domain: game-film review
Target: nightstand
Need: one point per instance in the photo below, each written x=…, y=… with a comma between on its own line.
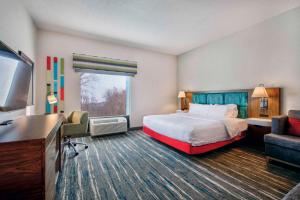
x=257, y=128
x=266, y=122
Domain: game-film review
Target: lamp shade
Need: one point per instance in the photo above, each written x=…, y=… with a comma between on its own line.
x=51, y=99
x=260, y=92
x=181, y=94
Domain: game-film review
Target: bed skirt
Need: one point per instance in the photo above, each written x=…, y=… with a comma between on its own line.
x=187, y=147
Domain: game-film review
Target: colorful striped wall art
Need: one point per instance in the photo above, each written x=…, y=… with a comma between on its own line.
x=55, y=84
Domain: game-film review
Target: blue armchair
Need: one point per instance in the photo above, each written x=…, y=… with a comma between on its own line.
x=281, y=146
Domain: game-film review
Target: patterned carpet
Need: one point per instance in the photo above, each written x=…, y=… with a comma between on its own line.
x=134, y=166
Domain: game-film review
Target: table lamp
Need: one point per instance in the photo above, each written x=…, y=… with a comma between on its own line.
x=182, y=96
x=260, y=92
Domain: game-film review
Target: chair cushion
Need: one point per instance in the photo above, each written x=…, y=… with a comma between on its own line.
x=294, y=126
x=76, y=117
x=288, y=141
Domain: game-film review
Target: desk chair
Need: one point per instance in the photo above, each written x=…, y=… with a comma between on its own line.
x=76, y=126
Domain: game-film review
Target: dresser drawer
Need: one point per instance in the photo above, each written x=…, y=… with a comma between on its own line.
x=20, y=164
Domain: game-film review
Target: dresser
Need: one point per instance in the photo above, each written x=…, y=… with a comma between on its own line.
x=31, y=156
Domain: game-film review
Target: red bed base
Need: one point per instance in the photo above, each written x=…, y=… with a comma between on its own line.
x=186, y=147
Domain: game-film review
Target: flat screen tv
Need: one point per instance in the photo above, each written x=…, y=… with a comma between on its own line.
x=15, y=78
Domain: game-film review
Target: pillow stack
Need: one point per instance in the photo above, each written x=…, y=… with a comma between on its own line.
x=214, y=111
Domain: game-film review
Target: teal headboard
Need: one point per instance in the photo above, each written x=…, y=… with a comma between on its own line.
x=238, y=98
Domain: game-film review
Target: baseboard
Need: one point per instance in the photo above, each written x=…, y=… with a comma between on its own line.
x=135, y=128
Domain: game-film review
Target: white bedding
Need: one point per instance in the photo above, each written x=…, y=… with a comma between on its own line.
x=195, y=129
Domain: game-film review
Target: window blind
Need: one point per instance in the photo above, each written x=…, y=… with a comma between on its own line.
x=101, y=65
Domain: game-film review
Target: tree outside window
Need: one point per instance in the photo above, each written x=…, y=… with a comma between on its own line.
x=104, y=95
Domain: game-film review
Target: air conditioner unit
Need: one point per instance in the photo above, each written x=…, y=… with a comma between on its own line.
x=108, y=125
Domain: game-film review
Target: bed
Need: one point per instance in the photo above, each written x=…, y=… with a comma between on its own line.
x=214, y=120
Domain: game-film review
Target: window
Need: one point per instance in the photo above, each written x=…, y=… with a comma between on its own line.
x=104, y=95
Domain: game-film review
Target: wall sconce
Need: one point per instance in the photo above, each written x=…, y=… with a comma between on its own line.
x=260, y=92
x=52, y=99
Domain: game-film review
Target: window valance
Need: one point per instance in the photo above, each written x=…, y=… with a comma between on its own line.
x=101, y=65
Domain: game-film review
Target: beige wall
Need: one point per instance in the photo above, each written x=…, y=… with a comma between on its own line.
x=16, y=27
x=17, y=31
x=267, y=53
x=153, y=89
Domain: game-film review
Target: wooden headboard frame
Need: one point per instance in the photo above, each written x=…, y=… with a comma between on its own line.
x=253, y=103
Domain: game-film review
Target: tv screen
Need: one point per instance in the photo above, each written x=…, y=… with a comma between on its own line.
x=15, y=76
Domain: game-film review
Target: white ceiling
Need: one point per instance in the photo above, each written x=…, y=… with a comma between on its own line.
x=170, y=26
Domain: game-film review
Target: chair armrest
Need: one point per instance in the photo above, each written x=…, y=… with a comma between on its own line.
x=71, y=129
x=279, y=124
x=69, y=118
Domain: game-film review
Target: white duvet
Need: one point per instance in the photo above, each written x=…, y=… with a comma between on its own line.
x=195, y=129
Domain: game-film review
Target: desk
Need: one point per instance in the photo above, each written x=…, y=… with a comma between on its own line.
x=30, y=157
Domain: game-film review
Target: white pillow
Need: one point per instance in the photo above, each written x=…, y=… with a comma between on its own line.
x=214, y=111
x=232, y=111
x=199, y=109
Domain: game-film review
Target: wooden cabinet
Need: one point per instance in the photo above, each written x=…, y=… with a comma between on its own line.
x=30, y=157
